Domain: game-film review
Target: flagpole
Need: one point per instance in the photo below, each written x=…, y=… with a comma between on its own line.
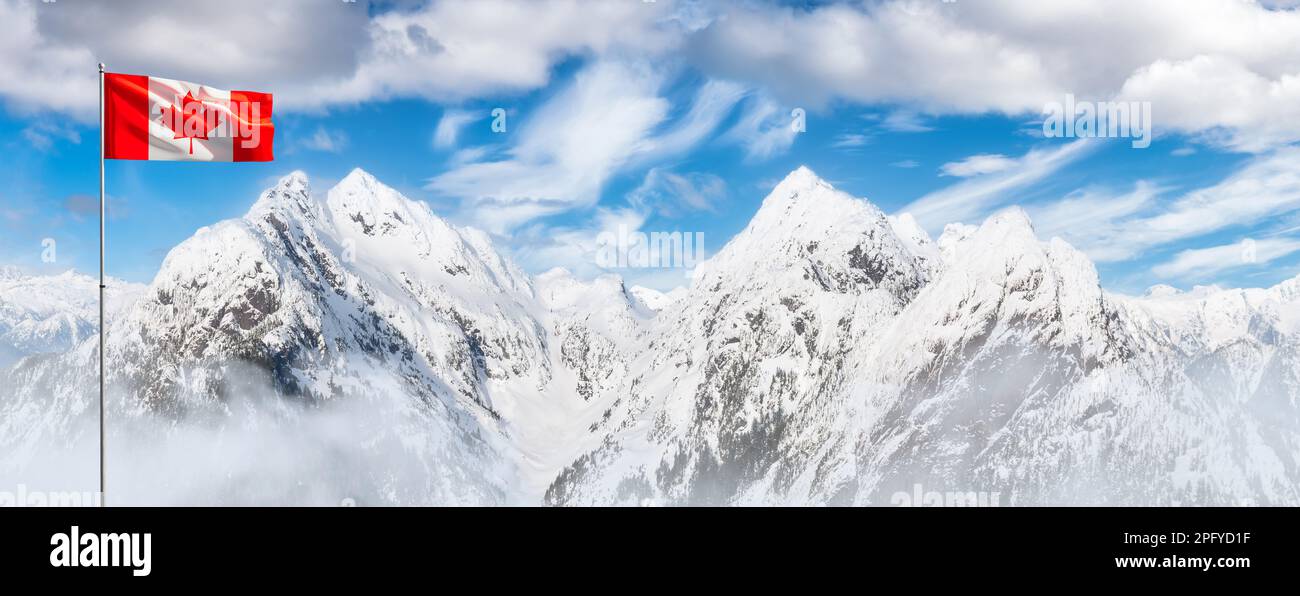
x=102, y=496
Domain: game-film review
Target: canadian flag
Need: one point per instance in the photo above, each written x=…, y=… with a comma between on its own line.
x=164, y=119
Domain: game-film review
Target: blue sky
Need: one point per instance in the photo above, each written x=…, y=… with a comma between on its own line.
x=676, y=117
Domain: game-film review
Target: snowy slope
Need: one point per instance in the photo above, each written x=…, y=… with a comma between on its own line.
x=50, y=314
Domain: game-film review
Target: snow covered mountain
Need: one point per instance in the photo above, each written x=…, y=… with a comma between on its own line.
x=355, y=345
x=51, y=314
x=361, y=306
x=830, y=355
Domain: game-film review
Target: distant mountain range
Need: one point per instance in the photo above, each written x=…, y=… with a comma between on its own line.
x=355, y=345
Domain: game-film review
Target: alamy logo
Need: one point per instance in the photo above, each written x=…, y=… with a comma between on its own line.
x=666, y=250
x=201, y=118
x=75, y=549
x=39, y=498
x=919, y=497
x=1103, y=119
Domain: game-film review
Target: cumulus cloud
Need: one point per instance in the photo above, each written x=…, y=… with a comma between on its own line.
x=1222, y=100
x=48, y=51
x=313, y=54
x=1226, y=71
x=455, y=49
x=1224, y=67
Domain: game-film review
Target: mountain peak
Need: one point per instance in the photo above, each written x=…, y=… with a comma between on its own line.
x=1162, y=291
x=359, y=178
x=295, y=181
x=1012, y=219
x=292, y=192
x=803, y=199
x=802, y=176
x=800, y=182
x=360, y=200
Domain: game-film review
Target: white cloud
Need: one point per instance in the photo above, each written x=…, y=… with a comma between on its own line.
x=36, y=73
x=977, y=196
x=668, y=193
x=468, y=155
x=1267, y=187
x=577, y=248
x=539, y=247
x=48, y=51
x=329, y=141
x=1229, y=66
x=1202, y=263
x=904, y=121
x=311, y=53
x=456, y=49
x=449, y=127
x=608, y=118
x=1227, y=71
x=710, y=105
x=906, y=163
x=848, y=140
x=1222, y=100
x=1118, y=227
x=566, y=149
x=42, y=133
x=976, y=165
x=764, y=128
x=1090, y=219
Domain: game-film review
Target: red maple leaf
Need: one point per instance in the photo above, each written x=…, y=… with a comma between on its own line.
x=190, y=121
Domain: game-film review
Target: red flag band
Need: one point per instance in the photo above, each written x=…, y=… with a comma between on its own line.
x=165, y=119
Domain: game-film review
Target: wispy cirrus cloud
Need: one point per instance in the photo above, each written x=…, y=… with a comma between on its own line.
x=904, y=121
x=42, y=133
x=1204, y=263
x=975, y=165
x=326, y=140
x=978, y=195
x=609, y=117
x=764, y=129
x=669, y=193
x=849, y=140
x=1090, y=219
x=449, y=127
x=1115, y=228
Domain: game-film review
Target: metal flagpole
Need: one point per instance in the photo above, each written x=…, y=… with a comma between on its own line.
x=102, y=496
